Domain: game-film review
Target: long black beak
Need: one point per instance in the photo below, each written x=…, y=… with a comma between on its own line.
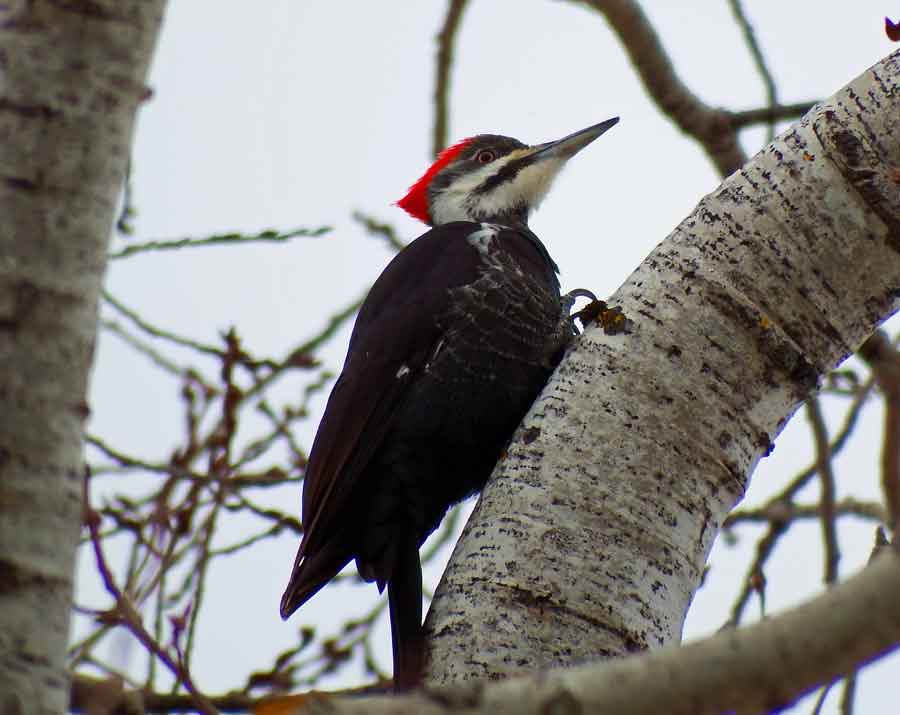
x=567, y=147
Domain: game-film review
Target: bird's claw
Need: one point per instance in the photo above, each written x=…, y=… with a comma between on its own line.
x=579, y=293
x=612, y=320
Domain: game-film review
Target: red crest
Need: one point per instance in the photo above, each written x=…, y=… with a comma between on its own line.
x=415, y=203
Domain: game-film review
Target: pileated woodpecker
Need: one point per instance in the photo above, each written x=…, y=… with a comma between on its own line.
x=452, y=345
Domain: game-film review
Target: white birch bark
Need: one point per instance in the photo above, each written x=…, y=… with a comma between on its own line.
x=590, y=539
x=749, y=671
x=71, y=79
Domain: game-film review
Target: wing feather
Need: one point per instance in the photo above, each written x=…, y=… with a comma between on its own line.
x=397, y=330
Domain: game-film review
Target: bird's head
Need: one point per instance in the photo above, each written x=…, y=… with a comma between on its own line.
x=492, y=178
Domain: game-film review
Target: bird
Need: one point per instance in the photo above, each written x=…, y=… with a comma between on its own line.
x=452, y=345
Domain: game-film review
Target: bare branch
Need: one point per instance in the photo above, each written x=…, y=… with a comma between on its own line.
x=711, y=127
x=776, y=113
x=758, y=59
x=789, y=511
x=826, y=478
x=267, y=236
x=884, y=359
x=840, y=441
x=443, y=65
x=89, y=693
x=379, y=229
x=300, y=353
x=754, y=581
x=714, y=128
x=761, y=668
x=124, y=612
x=820, y=701
x=157, y=332
x=144, y=348
x=847, y=697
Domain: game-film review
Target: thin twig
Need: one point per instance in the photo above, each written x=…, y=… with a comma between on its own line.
x=758, y=59
x=780, y=506
x=884, y=360
x=274, y=530
x=851, y=417
x=848, y=696
x=710, y=126
x=335, y=323
x=446, y=40
x=826, y=480
x=820, y=701
x=267, y=236
x=845, y=507
x=137, y=463
x=379, y=229
x=281, y=428
x=754, y=580
x=776, y=113
x=201, y=569
x=125, y=613
x=144, y=348
x=156, y=332
x=87, y=692
x=279, y=519
x=220, y=443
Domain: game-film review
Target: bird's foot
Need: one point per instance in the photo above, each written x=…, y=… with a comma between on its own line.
x=612, y=320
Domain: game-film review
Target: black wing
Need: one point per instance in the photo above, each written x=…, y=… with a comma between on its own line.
x=396, y=332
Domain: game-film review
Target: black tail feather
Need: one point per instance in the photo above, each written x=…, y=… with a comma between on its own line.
x=310, y=574
x=405, y=602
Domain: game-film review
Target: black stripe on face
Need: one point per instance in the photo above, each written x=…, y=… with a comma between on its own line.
x=507, y=173
x=467, y=162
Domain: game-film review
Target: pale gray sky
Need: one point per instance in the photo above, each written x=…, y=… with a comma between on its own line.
x=295, y=114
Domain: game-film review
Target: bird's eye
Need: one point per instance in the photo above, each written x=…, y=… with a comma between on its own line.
x=485, y=156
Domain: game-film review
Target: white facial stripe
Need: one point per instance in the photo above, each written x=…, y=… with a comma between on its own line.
x=539, y=178
x=449, y=205
x=528, y=188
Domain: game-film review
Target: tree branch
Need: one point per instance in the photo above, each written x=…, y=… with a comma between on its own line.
x=761, y=668
x=759, y=60
x=790, y=512
x=715, y=129
x=267, y=236
x=775, y=113
x=884, y=359
x=446, y=44
x=124, y=612
x=641, y=443
x=710, y=126
x=826, y=479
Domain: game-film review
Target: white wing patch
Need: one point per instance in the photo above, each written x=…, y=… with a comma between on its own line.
x=434, y=354
x=481, y=239
x=402, y=372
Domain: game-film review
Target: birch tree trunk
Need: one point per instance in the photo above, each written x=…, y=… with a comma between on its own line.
x=590, y=539
x=72, y=78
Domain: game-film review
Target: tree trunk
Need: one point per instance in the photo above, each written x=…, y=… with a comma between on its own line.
x=73, y=76
x=590, y=539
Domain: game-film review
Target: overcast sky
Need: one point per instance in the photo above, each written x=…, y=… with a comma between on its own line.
x=298, y=113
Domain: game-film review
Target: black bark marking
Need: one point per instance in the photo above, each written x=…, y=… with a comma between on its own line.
x=24, y=299
x=861, y=165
